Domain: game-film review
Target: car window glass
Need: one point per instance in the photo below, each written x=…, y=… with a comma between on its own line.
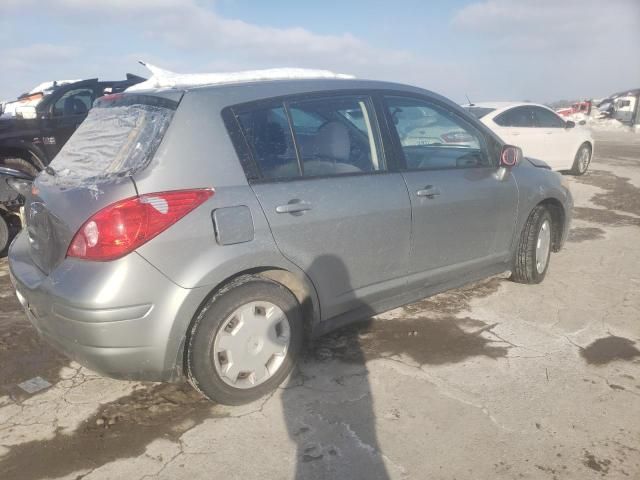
x=516, y=117
x=269, y=137
x=479, y=112
x=74, y=102
x=336, y=145
x=433, y=137
x=547, y=119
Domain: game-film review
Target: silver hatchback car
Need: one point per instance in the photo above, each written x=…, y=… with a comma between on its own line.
x=206, y=232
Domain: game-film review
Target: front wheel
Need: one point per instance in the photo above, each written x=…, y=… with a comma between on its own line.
x=582, y=160
x=245, y=341
x=534, y=247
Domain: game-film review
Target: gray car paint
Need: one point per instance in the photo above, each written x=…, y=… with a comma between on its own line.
x=128, y=318
x=364, y=220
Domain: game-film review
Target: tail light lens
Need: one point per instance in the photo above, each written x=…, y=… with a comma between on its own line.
x=123, y=226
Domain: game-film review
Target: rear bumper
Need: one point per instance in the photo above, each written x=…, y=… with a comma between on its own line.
x=123, y=319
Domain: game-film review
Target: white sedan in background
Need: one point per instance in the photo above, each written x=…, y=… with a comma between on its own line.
x=540, y=132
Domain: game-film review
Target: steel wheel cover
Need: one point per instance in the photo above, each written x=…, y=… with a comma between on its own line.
x=251, y=344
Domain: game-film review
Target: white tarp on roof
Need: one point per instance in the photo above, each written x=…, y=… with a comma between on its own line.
x=165, y=79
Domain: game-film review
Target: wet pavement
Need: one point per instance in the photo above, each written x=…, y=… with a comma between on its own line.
x=495, y=380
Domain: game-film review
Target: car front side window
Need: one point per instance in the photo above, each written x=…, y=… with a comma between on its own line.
x=432, y=137
x=547, y=119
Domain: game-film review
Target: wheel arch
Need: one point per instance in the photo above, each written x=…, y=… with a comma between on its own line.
x=587, y=142
x=23, y=151
x=300, y=287
x=559, y=217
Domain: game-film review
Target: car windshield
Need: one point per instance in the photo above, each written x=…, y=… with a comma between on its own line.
x=479, y=112
x=117, y=138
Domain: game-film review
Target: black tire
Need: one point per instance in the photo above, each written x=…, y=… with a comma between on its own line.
x=579, y=167
x=200, y=368
x=525, y=263
x=4, y=236
x=21, y=164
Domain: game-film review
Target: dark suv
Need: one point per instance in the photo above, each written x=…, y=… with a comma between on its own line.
x=29, y=144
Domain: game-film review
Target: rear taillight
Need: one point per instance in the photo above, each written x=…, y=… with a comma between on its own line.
x=123, y=226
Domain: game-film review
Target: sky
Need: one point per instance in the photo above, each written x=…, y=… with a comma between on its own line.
x=542, y=50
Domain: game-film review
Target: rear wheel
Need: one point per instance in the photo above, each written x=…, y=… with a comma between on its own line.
x=582, y=160
x=9, y=227
x=21, y=164
x=534, y=247
x=245, y=341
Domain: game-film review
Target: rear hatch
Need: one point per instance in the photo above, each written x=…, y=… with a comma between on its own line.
x=117, y=139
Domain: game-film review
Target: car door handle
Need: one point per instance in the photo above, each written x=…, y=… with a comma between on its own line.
x=429, y=191
x=293, y=207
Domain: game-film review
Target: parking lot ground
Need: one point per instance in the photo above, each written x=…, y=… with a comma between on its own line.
x=492, y=381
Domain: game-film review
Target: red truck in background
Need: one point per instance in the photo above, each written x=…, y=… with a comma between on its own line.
x=578, y=107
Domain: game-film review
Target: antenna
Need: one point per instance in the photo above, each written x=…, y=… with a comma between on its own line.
x=470, y=104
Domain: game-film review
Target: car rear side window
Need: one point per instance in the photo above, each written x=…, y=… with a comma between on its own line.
x=479, y=112
x=432, y=137
x=324, y=136
x=516, y=117
x=336, y=145
x=268, y=135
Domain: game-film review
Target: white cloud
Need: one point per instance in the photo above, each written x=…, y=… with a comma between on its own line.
x=196, y=29
x=33, y=57
x=575, y=48
x=546, y=25
x=514, y=49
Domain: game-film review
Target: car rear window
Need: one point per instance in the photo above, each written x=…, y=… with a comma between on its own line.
x=118, y=138
x=479, y=112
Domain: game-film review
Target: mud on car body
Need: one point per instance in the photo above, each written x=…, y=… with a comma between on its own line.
x=205, y=232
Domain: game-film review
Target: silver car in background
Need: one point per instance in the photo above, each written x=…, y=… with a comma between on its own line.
x=206, y=232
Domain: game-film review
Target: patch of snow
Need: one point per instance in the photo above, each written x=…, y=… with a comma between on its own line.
x=31, y=98
x=48, y=87
x=166, y=79
x=593, y=122
x=9, y=108
x=606, y=124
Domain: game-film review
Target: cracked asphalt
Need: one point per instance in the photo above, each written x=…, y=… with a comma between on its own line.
x=495, y=380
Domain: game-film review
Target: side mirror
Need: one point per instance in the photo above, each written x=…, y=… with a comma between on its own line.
x=26, y=112
x=510, y=156
x=569, y=124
